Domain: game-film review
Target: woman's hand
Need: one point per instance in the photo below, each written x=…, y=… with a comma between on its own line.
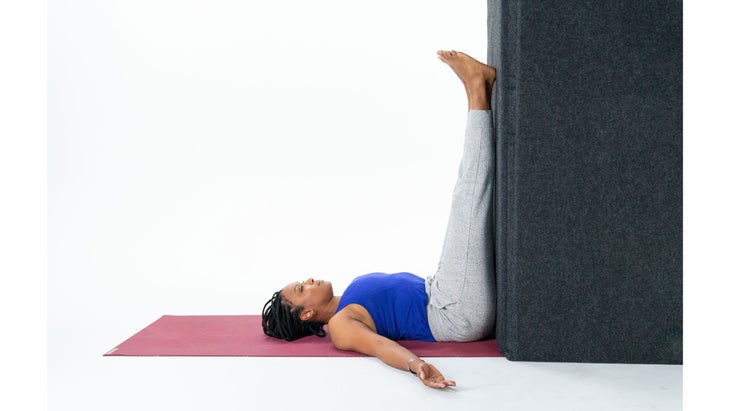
x=350, y=334
x=431, y=376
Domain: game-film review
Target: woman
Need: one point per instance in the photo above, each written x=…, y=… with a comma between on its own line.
x=455, y=304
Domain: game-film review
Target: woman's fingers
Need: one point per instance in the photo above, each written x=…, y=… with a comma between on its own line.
x=437, y=382
x=440, y=384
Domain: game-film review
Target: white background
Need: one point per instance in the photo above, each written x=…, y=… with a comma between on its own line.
x=203, y=154
x=200, y=154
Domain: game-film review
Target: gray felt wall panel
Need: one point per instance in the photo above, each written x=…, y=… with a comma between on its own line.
x=588, y=117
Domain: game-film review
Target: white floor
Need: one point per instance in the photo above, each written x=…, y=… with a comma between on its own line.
x=120, y=383
x=80, y=378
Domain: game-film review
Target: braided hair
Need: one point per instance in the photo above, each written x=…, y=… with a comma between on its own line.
x=280, y=319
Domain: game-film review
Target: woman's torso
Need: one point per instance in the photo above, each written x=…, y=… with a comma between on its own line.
x=392, y=305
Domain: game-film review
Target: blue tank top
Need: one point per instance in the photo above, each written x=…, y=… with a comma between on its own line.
x=396, y=303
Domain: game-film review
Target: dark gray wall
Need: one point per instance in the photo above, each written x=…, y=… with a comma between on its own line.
x=588, y=110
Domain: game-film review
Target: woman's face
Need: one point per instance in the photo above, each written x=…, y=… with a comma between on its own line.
x=311, y=294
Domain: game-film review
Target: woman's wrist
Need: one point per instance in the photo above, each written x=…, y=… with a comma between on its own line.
x=413, y=363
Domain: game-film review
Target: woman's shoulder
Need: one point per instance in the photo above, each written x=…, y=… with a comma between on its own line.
x=352, y=312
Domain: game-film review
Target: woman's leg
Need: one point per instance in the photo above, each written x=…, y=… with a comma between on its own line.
x=462, y=292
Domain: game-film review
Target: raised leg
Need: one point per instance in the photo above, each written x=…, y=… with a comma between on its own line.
x=462, y=292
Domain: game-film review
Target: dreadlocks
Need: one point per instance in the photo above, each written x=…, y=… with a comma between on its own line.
x=281, y=320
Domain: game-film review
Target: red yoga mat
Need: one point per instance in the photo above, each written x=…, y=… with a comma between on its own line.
x=242, y=336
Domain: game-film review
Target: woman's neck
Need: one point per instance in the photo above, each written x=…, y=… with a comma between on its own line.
x=330, y=310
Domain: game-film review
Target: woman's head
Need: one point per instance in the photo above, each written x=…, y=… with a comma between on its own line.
x=293, y=312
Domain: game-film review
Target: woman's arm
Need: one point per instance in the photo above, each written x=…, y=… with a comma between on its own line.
x=352, y=335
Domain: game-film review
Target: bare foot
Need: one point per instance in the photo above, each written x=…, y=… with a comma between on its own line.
x=478, y=78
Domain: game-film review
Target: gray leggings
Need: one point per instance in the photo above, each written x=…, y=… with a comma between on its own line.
x=461, y=304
